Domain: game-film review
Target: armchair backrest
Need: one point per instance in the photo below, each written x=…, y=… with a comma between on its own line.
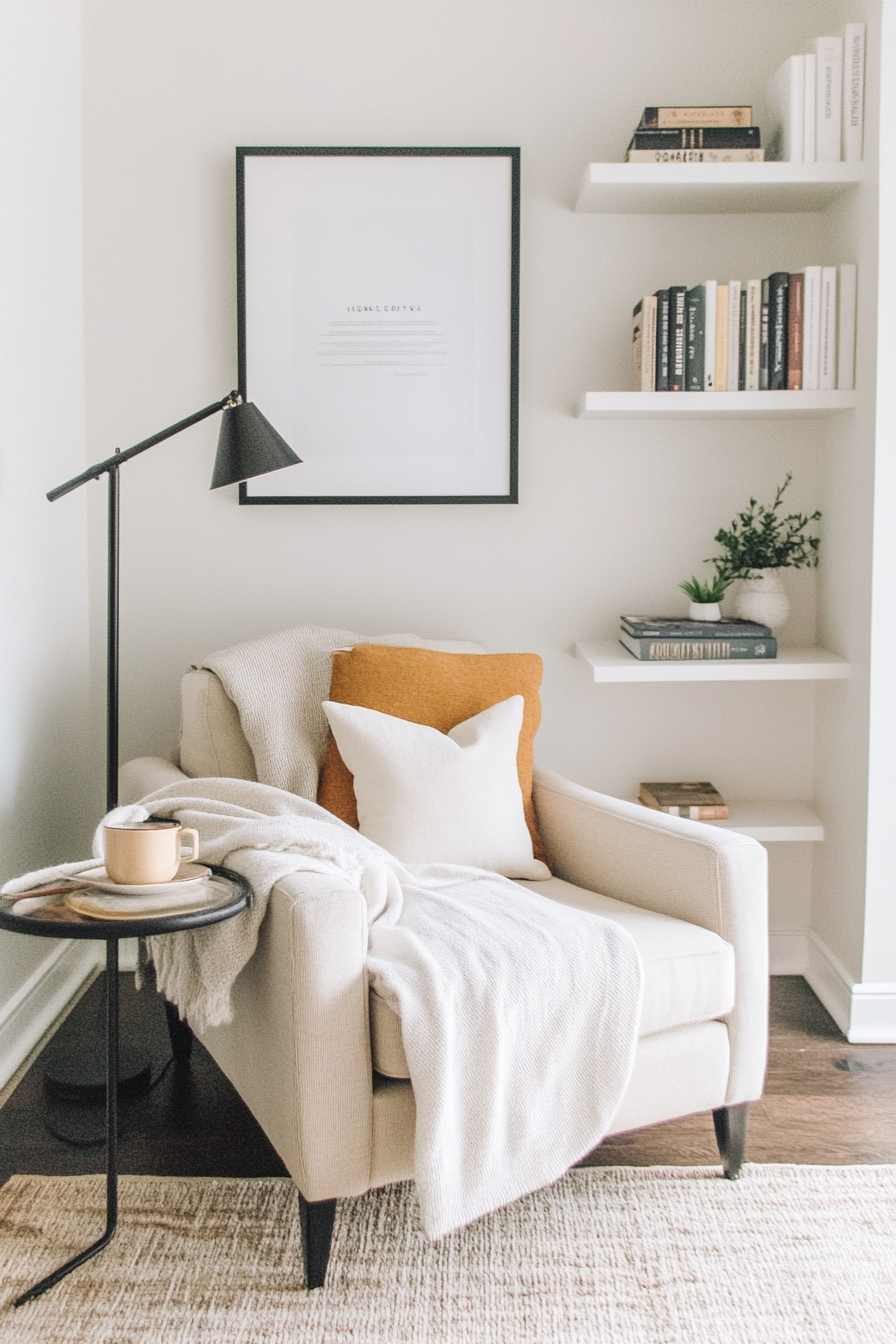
x=212, y=740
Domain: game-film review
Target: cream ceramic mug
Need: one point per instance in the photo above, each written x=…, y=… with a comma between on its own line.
x=147, y=851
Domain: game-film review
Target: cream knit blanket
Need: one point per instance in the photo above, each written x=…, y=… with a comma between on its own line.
x=519, y=1015
x=278, y=683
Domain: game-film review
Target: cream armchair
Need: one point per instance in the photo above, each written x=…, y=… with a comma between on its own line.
x=318, y=1057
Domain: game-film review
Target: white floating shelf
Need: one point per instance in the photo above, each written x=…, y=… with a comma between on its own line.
x=770, y=821
x=609, y=661
x=713, y=188
x=713, y=405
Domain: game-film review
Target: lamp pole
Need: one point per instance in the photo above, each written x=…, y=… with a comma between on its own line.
x=248, y=446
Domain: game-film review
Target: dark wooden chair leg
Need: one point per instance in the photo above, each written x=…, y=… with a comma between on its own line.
x=180, y=1034
x=317, y=1220
x=731, y=1136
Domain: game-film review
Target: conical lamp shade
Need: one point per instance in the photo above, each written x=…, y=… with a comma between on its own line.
x=248, y=445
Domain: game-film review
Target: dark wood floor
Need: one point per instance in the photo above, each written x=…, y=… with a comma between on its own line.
x=826, y=1101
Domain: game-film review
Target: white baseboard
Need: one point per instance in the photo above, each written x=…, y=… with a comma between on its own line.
x=788, y=951
x=865, y=1013
x=37, y=1004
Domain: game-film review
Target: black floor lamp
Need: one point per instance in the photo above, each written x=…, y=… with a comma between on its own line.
x=248, y=445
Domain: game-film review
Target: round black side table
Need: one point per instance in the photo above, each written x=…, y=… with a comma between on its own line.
x=227, y=894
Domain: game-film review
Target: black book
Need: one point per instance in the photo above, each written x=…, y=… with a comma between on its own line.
x=763, y=339
x=677, y=349
x=661, y=382
x=697, y=650
x=778, y=291
x=698, y=137
x=678, y=627
x=695, y=340
x=742, y=343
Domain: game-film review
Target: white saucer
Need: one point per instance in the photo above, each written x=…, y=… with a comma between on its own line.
x=188, y=874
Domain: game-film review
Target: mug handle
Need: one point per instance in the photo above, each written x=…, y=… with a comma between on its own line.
x=193, y=842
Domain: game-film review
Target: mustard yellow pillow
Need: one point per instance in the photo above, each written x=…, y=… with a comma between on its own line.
x=439, y=690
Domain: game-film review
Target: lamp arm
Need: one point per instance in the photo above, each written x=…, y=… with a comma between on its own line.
x=93, y=473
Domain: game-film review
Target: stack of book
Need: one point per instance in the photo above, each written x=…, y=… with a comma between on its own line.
x=793, y=331
x=697, y=802
x=695, y=135
x=664, y=639
x=817, y=101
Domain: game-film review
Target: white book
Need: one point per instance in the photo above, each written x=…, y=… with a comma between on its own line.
x=853, y=91
x=828, y=97
x=644, y=345
x=811, y=327
x=846, y=335
x=827, y=374
x=809, y=81
x=709, y=347
x=754, y=331
x=787, y=109
x=734, y=289
x=648, y=361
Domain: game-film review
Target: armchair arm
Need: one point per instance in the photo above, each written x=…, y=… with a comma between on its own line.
x=144, y=775
x=706, y=876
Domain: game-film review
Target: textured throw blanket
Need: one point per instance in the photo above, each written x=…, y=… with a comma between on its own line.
x=278, y=683
x=519, y=1015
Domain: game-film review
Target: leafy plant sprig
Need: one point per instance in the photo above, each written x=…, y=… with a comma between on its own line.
x=759, y=538
x=712, y=591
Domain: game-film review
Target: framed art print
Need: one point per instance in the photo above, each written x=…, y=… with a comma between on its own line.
x=378, y=299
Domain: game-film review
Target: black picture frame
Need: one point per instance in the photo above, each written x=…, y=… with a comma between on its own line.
x=257, y=492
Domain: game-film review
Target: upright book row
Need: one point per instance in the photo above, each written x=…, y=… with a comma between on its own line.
x=817, y=101
x=789, y=332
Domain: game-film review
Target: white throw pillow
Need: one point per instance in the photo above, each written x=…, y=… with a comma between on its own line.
x=431, y=797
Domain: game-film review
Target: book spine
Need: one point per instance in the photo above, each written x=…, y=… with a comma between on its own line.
x=665, y=117
x=753, y=335
x=763, y=338
x=778, y=284
x=720, y=381
x=795, y=333
x=785, y=99
x=661, y=368
x=698, y=137
x=742, y=344
x=828, y=98
x=827, y=370
x=637, y=342
x=648, y=345
x=695, y=156
x=677, y=337
x=809, y=81
x=733, y=370
x=710, y=289
x=698, y=630
x=846, y=329
x=811, y=327
x=699, y=650
x=853, y=91
x=695, y=357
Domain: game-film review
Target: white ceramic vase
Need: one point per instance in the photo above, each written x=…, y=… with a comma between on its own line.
x=763, y=599
x=704, y=611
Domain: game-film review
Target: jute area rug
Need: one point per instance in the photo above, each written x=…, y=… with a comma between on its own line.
x=787, y=1255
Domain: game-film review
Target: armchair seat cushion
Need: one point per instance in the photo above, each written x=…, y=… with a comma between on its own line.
x=688, y=972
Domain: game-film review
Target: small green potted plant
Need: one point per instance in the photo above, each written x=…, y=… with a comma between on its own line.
x=758, y=544
x=705, y=597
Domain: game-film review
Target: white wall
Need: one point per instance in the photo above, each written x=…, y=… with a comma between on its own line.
x=611, y=516
x=48, y=792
